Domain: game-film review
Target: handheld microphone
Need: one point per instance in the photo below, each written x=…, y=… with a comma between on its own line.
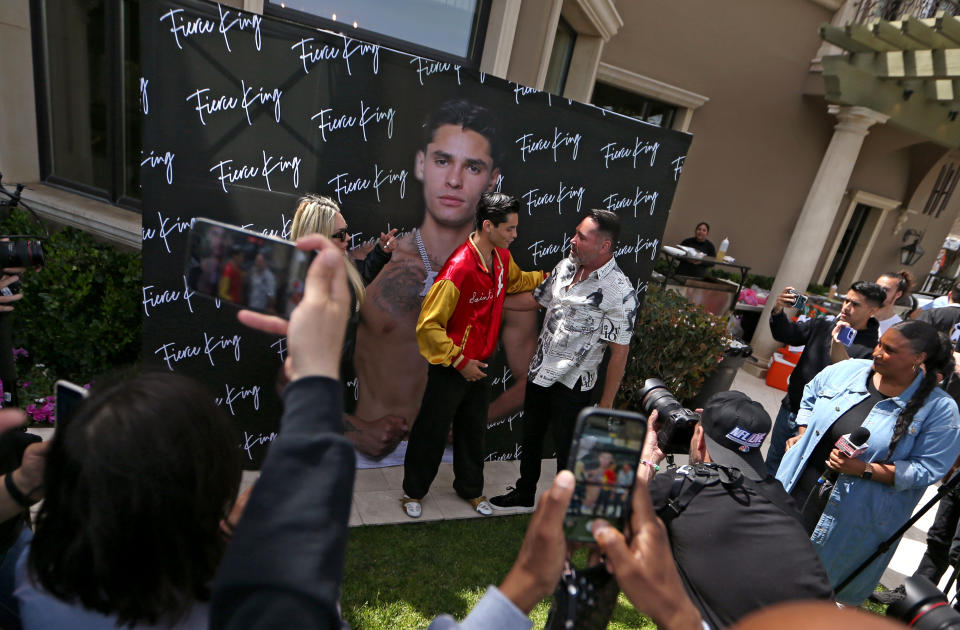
x=851, y=445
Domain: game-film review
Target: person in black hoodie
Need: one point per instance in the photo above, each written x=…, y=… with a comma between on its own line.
x=821, y=348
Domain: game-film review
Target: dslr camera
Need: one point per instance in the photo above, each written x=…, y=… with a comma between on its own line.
x=677, y=422
x=924, y=607
x=21, y=251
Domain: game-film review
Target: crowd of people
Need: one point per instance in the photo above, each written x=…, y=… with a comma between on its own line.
x=141, y=524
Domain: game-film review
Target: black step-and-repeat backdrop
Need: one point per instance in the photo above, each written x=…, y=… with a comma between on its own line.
x=242, y=115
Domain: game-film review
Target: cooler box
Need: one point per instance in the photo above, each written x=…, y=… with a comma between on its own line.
x=779, y=372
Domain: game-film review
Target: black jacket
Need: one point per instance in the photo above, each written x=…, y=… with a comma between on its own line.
x=815, y=335
x=945, y=319
x=741, y=548
x=697, y=271
x=284, y=566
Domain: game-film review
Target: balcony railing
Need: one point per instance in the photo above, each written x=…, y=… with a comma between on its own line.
x=871, y=10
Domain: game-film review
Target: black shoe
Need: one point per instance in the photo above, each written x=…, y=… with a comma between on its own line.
x=888, y=597
x=512, y=499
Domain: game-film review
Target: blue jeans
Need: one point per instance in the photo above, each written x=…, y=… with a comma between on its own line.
x=784, y=428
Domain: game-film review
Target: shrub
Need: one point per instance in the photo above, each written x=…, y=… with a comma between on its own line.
x=80, y=314
x=674, y=340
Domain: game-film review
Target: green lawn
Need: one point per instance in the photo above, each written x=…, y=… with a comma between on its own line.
x=401, y=576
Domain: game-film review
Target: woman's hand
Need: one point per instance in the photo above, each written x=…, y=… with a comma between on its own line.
x=791, y=442
x=845, y=465
x=388, y=240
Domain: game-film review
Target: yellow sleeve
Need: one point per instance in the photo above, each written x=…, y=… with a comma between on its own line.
x=435, y=346
x=223, y=289
x=520, y=281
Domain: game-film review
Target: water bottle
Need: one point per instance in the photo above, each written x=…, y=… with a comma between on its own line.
x=724, y=244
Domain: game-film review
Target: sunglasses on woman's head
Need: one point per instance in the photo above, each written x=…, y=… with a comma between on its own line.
x=340, y=235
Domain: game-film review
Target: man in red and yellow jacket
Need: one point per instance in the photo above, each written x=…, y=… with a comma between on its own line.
x=457, y=332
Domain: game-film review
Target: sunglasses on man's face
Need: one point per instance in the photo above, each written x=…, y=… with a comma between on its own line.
x=340, y=235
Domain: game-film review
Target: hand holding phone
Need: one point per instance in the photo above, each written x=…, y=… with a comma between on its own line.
x=644, y=565
x=799, y=300
x=605, y=452
x=846, y=335
x=543, y=552
x=316, y=327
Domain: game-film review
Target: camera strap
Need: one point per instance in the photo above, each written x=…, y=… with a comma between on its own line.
x=690, y=480
x=584, y=599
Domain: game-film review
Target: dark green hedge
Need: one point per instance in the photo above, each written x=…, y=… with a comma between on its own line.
x=80, y=315
x=673, y=340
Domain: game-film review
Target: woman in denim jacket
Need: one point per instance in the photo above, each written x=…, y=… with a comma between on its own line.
x=914, y=439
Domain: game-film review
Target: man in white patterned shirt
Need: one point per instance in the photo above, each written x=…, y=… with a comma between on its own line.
x=590, y=305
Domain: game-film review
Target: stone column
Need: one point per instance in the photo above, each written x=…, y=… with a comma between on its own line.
x=819, y=210
x=19, y=158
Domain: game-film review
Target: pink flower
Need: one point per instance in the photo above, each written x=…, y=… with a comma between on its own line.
x=26, y=384
x=46, y=412
x=20, y=352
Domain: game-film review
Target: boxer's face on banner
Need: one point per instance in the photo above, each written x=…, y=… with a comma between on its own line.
x=455, y=168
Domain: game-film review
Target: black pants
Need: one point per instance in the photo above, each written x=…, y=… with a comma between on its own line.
x=448, y=398
x=555, y=408
x=943, y=546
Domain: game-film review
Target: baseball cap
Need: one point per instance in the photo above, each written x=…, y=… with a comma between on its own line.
x=734, y=427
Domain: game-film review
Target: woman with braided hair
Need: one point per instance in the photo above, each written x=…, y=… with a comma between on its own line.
x=914, y=438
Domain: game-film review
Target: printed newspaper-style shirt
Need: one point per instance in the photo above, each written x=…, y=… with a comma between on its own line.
x=580, y=322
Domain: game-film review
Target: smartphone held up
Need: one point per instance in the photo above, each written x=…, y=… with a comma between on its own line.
x=252, y=270
x=68, y=397
x=604, y=456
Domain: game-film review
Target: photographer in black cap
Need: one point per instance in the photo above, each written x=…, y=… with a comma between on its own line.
x=735, y=534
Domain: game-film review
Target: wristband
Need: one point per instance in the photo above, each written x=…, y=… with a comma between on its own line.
x=18, y=497
x=651, y=465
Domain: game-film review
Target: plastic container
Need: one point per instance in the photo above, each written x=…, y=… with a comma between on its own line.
x=779, y=372
x=724, y=245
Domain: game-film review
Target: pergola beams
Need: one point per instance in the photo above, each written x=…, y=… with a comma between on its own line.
x=911, y=64
x=908, y=69
x=910, y=33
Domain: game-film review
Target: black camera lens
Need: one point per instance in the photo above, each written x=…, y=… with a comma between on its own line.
x=26, y=252
x=677, y=422
x=924, y=606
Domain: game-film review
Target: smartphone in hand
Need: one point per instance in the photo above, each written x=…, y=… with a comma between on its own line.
x=846, y=335
x=799, y=299
x=603, y=457
x=68, y=397
x=252, y=270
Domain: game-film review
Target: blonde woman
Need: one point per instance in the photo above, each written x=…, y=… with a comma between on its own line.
x=321, y=215
x=317, y=214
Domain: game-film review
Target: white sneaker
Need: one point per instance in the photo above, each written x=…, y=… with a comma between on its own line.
x=411, y=506
x=481, y=505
